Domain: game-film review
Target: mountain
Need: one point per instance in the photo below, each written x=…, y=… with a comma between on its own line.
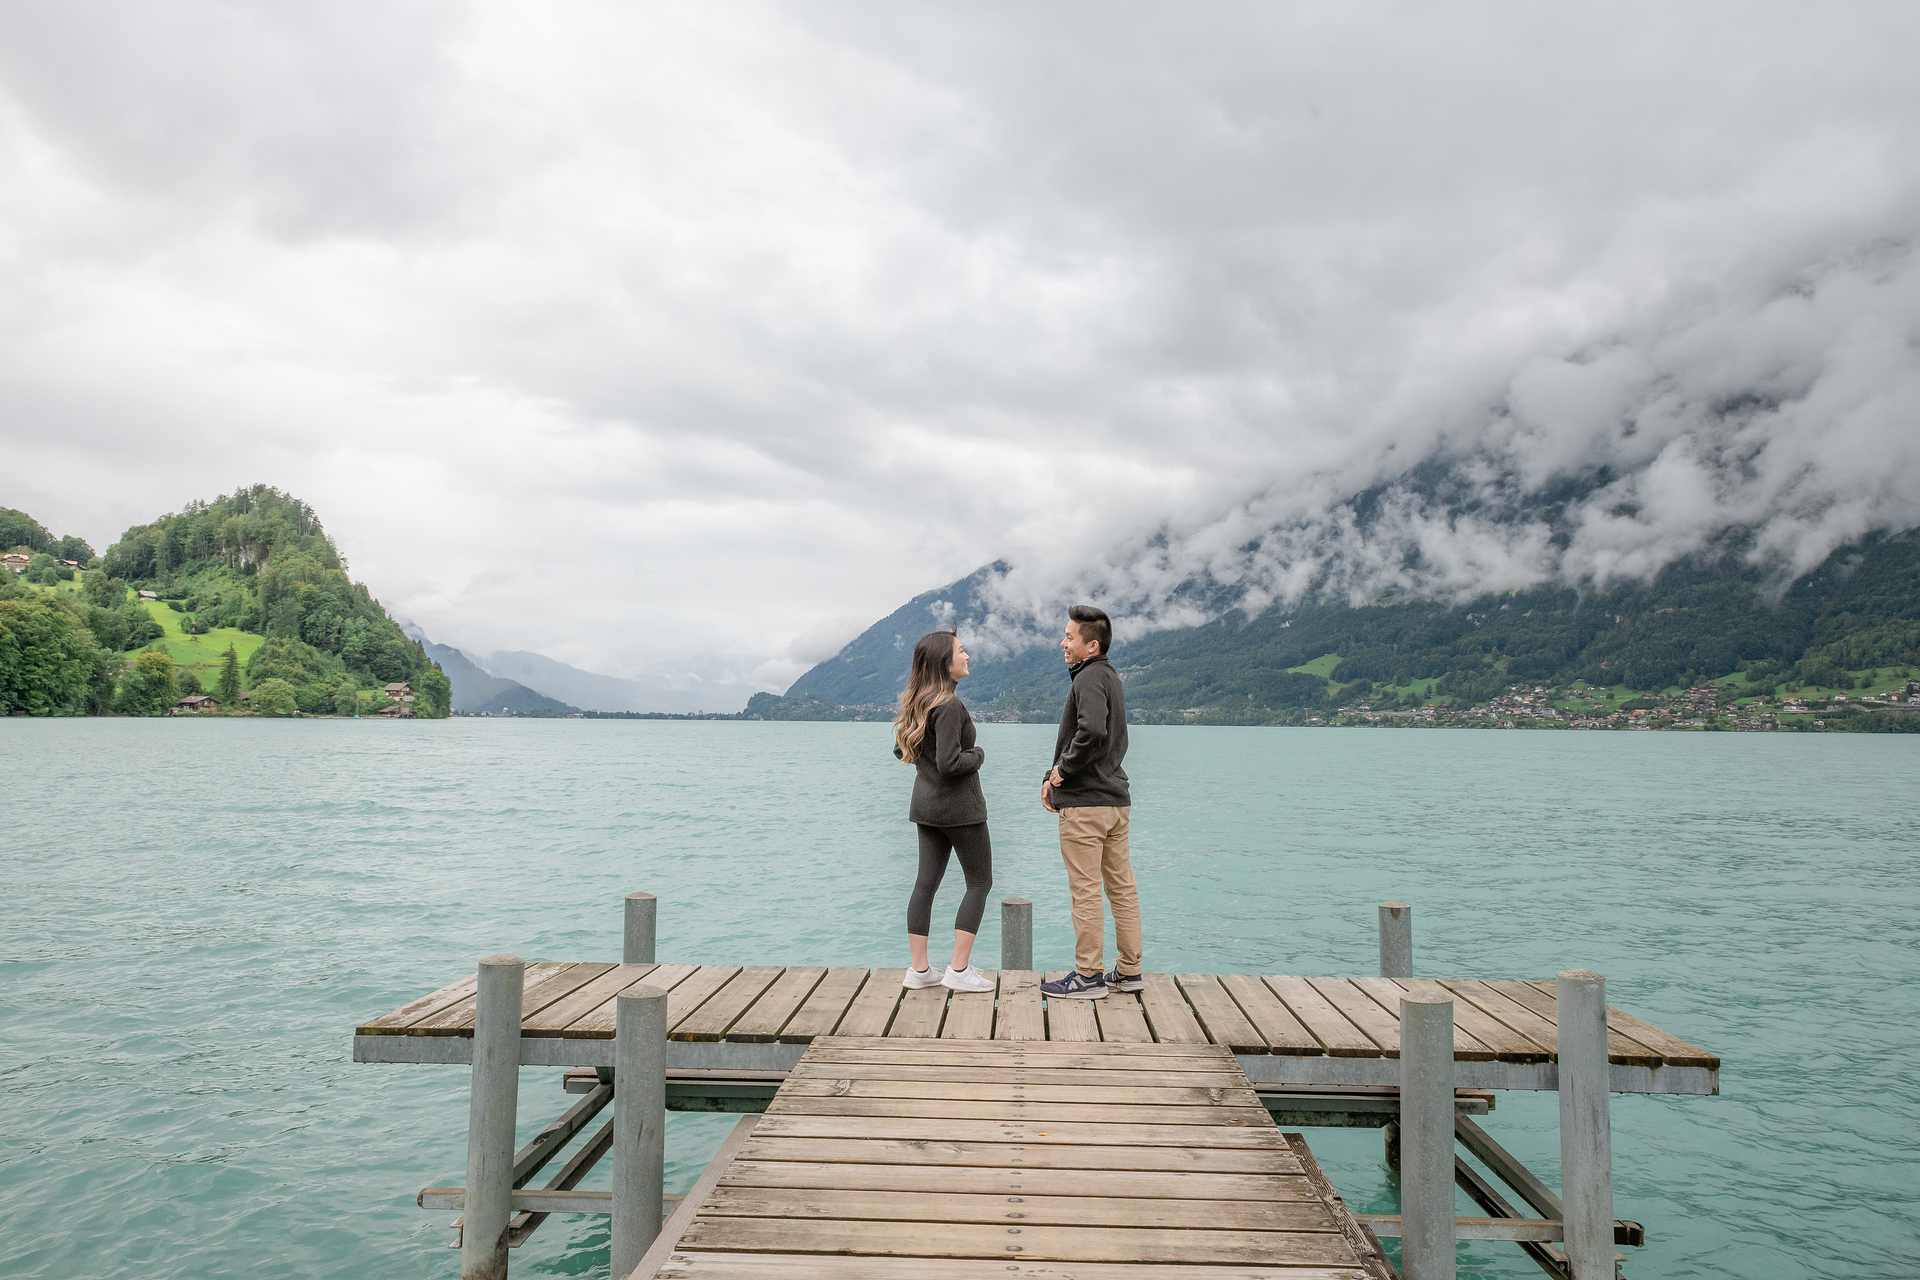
x=479, y=692
x=1851, y=621
x=592, y=691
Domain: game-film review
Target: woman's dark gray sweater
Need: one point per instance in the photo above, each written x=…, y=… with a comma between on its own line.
x=946, y=783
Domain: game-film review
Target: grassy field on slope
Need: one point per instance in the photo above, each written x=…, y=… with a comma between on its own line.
x=203, y=654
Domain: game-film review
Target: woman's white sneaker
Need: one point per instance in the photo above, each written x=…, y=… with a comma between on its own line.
x=915, y=979
x=967, y=979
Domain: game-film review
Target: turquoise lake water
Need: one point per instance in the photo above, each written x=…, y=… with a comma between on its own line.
x=201, y=911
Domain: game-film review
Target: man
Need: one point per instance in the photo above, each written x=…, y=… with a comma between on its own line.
x=1088, y=789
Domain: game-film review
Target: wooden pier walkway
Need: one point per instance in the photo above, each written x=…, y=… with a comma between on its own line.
x=1282, y=1029
x=880, y=1156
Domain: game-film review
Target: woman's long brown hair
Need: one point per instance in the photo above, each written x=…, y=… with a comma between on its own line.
x=929, y=683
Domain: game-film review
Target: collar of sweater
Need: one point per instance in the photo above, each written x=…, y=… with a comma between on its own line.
x=1076, y=668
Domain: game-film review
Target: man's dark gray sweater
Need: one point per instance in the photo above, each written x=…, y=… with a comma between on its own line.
x=1093, y=739
x=946, y=782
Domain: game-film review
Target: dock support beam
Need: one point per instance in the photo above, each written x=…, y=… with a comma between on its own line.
x=491, y=1105
x=638, y=947
x=1396, y=940
x=1586, y=1139
x=1016, y=933
x=639, y=1122
x=1426, y=1135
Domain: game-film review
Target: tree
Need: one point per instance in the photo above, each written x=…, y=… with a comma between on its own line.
x=185, y=680
x=273, y=698
x=103, y=591
x=346, y=700
x=229, y=686
x=149, y=686
x=18, y=529
x=74, y=549
x=49, y=664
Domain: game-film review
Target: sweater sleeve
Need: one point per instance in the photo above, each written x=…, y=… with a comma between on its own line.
x=1090, y=728
x=948, y=756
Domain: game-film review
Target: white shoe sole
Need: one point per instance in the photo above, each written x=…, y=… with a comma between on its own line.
x=986, y=984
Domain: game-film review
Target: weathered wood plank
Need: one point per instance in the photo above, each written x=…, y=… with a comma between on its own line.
x=916, y=1129
x=396, y=1021
x=873, y=1008
x=1122, y=1019
x=1379, y=1022
x=690, y=1264
x=969, y=1015
x=1218, y=1015
x=914, y=1054
x=555, y=1018
x=1001, y=1051
x=1273, y=1020
x=764, y=1019
x=1329, y=1026
x=597, y=1023
x=457, y=1018
x=1019, y=1015
x=723, y=1008
x=1671, y=1048
x=1511, y=1013
x=1172, y=1021
x=1620, y=1047
x=825, y=1007
x=1073, y=1076
x=967, y=1240
x=1365, y=1248
x=1500, y=1040
x=848, y=1204
x=1387, y=994
x=801, y=1084
x=687, y=997
x=941, y=1180
x=1086, y=1111
x=919, y=1014
x=1071, y=1020
x=973, y=1153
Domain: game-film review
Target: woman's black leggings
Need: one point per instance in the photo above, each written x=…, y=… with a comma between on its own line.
x=976, y=859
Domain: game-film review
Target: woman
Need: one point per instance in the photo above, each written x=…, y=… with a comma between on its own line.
x=934, y=734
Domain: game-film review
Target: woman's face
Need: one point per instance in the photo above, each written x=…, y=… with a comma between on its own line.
x=957, y=664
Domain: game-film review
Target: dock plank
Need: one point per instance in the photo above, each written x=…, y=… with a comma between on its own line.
x=1070, y=1020
x=457, y=1018
x=970, y=1015
x=1671, y=1048
x=556, y=1017
x=1019, y=1014
x=1218, y=1015
x=396, y=1021
x=824, y=1008
x=920, y=1014
x=808, y=1083
x=873, y=1008
x=1084, y=1111
x=1122, y=1019
x=1039, y=1210
x=719, y=1011
x=1168, y=1013
x=1620, y=1047
x=767, y=1016
x=973, y=1153
x=598, y=1022
x=1502, y=1041
x=917, y=1129
x=690, y=1264
x=940, y=1179
x=950, y=1072
x=1273, y=1020
x=1366, y=1007
x=1329, y=1026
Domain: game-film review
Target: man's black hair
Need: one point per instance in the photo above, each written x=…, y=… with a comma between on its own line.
x=1094, y=625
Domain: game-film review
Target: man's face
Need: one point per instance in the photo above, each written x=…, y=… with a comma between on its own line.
x=1073, y=647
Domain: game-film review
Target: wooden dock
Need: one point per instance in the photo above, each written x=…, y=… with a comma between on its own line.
x=1284, y=1030
x=943, y=1135
x=976, y=1158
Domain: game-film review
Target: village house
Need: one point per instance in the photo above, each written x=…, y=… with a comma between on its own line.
x=194, y=704
x=149, y=595
x=16, y=561
x=400, y=691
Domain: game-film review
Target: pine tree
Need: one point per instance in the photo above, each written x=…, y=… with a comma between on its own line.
x=230, y=678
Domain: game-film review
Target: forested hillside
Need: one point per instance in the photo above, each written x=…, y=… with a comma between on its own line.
x=244, y=598
x=1853, y=621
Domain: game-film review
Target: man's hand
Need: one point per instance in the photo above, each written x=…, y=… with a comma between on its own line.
x=1054, y=779
x=1046, y=795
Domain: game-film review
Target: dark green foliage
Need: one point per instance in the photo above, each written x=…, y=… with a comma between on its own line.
x=1699, y=620
x=229, y=686
x=44, y=569
x=186, y=681
x=101, y=590
x=74, y=549
x=258, y=560
x=148, y=687
x=124, y=627
x=18, y=529
x=49, y=664
x=273, y=697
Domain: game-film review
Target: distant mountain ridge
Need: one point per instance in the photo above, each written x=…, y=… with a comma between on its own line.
x=479, y=692
x=592, y=691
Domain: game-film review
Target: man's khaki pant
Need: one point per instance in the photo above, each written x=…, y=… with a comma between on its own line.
x=1093, y=844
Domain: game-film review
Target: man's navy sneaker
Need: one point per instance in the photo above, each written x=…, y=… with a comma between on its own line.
x=1077, y=986
x=1118, y=981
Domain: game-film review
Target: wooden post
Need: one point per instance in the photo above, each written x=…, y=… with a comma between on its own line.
x=1396, y=940
x=492, y=1101
x=638, y=947
x=1016, y=933
x=1586, y=1140
x=639, y=1122
x=1426, y=1134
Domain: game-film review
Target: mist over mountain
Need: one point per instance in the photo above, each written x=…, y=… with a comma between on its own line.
x=592, y=691
x=479, y=692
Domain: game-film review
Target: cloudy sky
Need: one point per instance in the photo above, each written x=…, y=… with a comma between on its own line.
x=686, y=339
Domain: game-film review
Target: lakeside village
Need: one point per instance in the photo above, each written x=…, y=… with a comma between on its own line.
x=1704, y=707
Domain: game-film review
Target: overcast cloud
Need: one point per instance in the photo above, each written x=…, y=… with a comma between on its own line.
x=687, y=339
